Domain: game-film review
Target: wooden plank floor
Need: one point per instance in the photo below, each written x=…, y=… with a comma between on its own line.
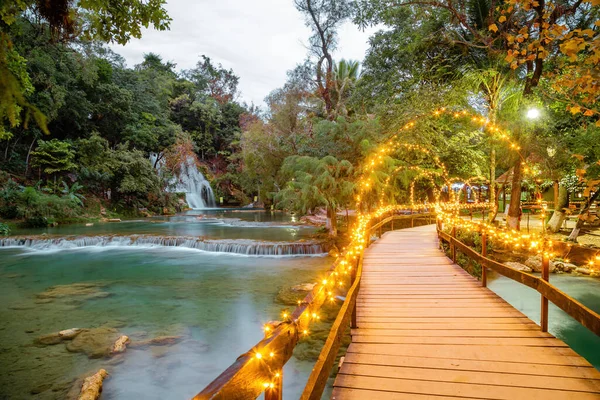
x=428, y=330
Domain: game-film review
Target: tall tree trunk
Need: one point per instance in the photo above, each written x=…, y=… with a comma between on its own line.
x=514, y=210
x=492, y=187
x=559, y=215
x=332, y=221
x=28, y=156
x=582, y=217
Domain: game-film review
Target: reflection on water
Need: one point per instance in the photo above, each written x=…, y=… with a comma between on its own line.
x=215, y=303
x=560, y=324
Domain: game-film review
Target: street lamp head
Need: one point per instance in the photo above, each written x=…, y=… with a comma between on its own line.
x=533, y=113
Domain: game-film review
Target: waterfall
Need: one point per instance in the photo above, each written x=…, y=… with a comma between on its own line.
x=198, y=193
x=237, y=246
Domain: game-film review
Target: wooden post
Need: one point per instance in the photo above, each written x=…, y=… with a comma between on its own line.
x=276, y=392
x=412, y=220
x=353, y=323
x=545, y=276
x=452, y=247
x=483, y=253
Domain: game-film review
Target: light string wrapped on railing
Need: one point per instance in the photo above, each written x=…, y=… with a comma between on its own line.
x=448, y=215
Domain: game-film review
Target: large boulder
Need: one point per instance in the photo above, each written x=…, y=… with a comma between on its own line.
x=518, y=266
x=535, y=263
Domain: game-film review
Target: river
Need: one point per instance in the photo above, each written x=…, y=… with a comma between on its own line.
x=216, y=302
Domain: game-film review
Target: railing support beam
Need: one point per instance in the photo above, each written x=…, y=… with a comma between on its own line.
x=452, y=246
x=484, y=254
x=544, y=305
x=353, y=323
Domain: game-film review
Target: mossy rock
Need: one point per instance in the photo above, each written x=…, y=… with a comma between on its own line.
x=289, y=295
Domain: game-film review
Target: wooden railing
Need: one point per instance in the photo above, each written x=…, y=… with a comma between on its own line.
x=548, y=292
x=261, y=368
x=347, y=316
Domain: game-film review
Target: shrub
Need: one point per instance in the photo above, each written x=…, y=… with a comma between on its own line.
x=4, y=229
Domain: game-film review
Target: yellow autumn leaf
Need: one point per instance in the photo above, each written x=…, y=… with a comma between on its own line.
x=493, y=28
x=589, y=113
x=598, y=123
x=575, y=109
x=502, y=19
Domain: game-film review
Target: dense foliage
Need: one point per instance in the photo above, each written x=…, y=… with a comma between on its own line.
x=98, y=121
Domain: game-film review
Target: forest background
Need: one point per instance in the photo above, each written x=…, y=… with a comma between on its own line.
x=77, y=126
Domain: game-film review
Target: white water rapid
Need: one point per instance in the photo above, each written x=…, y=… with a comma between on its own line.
x=198, y=193
x=231, y=246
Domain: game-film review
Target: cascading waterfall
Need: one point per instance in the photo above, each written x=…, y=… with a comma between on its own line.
x=241, y=246
x=198, y=192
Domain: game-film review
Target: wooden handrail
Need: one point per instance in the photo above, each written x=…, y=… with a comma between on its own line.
x=250, y=375
x=320, y=373
x=582, y=314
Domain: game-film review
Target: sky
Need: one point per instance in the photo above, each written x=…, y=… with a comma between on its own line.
x=259, y=39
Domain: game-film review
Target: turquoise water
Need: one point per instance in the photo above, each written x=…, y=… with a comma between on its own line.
x=216, y=224
x=216, y=303
x=560, y=324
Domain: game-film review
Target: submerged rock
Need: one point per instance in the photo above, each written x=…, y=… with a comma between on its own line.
x=95, y=342
x=92, y=386
x=291, y=294
x=518, y=266
x=86, y=290
x=157, y=341
x=58, y=337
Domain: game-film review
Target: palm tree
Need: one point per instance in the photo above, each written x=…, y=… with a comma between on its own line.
x=497, y=90
x=345, y=75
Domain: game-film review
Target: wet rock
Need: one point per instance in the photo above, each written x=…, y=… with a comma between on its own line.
x=535, y=263
x=48, y=340
x=583, y=270
x=291, y=294
x=518, y=266
x=69, y=334
x=157, y=341
x=92, y=386
x=120, y=345
x=95, y=342
x=58, y=337
x=562, y=266
x=305, y=287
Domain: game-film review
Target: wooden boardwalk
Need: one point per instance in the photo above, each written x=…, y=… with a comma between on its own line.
x=428, y=330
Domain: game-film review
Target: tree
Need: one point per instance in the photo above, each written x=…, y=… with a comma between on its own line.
x=324, y=18
x=345, y=76
x=109, y=21
x=54, y=157
x=313, y=183
x=214, y=80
